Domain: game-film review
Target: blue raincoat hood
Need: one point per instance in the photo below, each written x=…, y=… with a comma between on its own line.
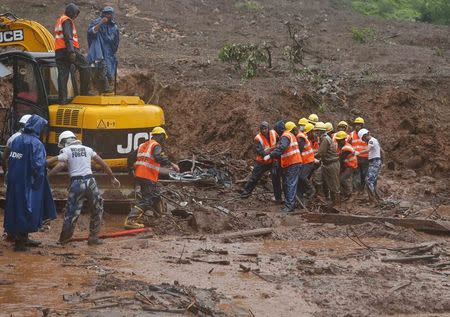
x=35, y=125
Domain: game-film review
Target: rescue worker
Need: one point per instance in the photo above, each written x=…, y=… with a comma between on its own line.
x=342, y=126
x=329, y=128
x=348, y=161
x=77, y=158
x=313, y=118
x=29, y=200
x=375, y=153
x=290, y=160
x=23, y=120
x=305, y=186
x=146, y=162
x=265, y=142
x=67, y=53
x=360, y=146
x=103, y=42
x=316, y=176
x=330, y=163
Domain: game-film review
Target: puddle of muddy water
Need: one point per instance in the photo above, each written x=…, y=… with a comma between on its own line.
x=37, y=281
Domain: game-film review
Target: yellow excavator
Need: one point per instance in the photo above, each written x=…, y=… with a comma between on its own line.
x=113, y=125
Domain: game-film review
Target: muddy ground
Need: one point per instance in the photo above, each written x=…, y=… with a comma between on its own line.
x=398, y=82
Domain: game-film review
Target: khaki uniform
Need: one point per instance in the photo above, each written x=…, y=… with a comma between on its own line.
x=330, y=165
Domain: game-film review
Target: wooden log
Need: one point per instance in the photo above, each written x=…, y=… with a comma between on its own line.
x=414, y=223
x=248, y=233
x=407, y=259
x=163, y=310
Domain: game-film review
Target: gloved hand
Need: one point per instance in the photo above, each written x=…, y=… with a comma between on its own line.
x=316, y=161
x=356, y=153
x=267, y=157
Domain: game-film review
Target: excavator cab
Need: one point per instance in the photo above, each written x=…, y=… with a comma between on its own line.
x=113, y=125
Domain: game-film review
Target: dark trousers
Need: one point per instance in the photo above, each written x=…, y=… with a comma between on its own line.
x=100, y=75
x=80, y=191
x=148, y=198
x=64, y=65
x=290, y=182
x=305, y=185
x=258, y=172
x=361, y=172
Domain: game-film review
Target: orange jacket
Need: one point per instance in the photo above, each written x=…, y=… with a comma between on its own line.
x=308, y=152
x=266, y=144
x=358, y=144
x=351, y=160
x=59, y=33
x=291, y=154
x=145, y=166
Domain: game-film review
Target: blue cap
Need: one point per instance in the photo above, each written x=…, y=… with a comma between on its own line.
x=108, y=9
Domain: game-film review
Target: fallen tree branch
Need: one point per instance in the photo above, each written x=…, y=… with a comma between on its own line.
x=408, y=259
x=248, y=233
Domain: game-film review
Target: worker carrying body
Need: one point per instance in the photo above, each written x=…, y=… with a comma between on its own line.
x=265, y=142
x=375, y=153
x=329, y=158
x=305, y=186
x=290, y=160
x=67, y=53
x=360, y=146
x=29, y=200
x=103, y=42
x=146, y=162
x=78, y=160
x=348, y=161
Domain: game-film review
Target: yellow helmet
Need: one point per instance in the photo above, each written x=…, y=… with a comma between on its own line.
x=342, y=124
x=313, y=118
x=308, y=127
x=289, y=126
x=341, y=135
x=303, y=121
x=359, y=120
x=320, y=126
x=329, y=126
x=159, y=130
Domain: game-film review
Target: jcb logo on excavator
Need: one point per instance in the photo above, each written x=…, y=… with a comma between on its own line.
x=11, y=36
x=132, y=142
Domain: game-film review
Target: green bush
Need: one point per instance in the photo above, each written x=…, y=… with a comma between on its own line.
x=432, y=11
x=248, y=56
x=363, y=34
x=249, y=5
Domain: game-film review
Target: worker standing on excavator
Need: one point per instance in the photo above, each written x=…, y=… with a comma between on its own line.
x=103, y=42
x=146, y=162
x=67, y=53
x=265, y=142
x=77, y=158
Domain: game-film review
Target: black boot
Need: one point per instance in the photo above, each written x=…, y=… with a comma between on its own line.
x=19, y=245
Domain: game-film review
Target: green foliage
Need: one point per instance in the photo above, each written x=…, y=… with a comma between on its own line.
x=322, y=107
x=432, y=11
x=362, y=34
x=3, y=8
x=249, y=5
x=246, y=56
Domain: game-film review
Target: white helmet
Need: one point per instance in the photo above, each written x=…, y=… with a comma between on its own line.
x=25, y=118
x=63, y=136
x=362, y=132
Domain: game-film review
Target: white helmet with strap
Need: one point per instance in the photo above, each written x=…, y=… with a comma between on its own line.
x=64, y=136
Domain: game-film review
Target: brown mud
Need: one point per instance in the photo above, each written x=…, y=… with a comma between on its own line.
x=398, y=82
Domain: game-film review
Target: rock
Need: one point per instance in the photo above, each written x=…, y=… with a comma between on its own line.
x=404, y=204
x=408, y=174
x=443, y=211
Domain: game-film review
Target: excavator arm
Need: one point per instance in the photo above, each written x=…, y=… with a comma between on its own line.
x=24, y=34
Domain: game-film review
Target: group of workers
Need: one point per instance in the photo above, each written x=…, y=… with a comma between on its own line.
x=103, y=43
x=29, y=200
x=312, y=158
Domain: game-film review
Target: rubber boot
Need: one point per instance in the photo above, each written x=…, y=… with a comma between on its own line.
x=94, y=240
x=65, y=236
x=133, y=220
x=19, y=243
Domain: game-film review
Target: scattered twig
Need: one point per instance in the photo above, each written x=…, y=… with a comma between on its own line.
x=400, y=286
x=246, y=269
x=411, y=258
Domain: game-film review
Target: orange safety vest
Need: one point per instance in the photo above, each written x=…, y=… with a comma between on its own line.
x=315, y=145
x=358, y=144
x=351, y=160
x=145, y=166
x=59, y=33
x=267, y=145
x=308, y=152
x=291, y=154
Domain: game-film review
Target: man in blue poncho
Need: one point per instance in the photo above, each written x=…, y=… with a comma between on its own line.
x=29, y=200
x=103, y=41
